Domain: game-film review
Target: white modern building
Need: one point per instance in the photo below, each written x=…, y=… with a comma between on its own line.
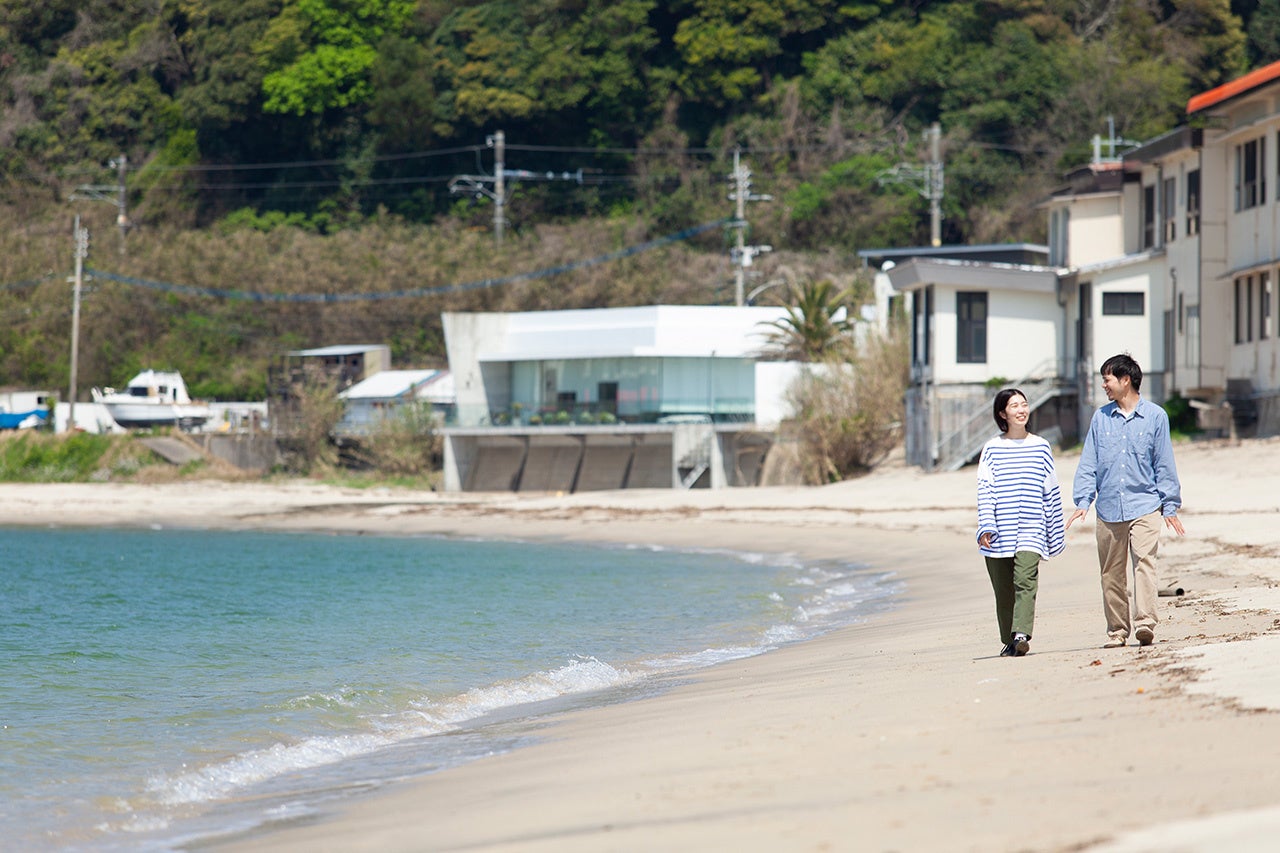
x=649, y=397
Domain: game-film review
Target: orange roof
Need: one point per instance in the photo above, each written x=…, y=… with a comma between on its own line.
x=1238, y=86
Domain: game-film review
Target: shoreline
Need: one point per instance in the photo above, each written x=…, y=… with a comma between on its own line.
x=905, y=732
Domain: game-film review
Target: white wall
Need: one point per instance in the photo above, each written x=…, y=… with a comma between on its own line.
x=1023, y=334
x=1095, y=230
x=1139, y=336
x=465, y=337
x=773, y=379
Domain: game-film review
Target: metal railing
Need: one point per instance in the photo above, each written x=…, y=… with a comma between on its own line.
x=965, y=442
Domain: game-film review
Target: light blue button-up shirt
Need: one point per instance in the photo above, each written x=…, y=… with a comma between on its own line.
x=1127, y=464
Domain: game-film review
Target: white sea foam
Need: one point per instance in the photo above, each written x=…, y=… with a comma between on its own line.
x=218, y=780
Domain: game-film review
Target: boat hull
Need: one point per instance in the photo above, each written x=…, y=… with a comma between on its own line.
x=135, y=415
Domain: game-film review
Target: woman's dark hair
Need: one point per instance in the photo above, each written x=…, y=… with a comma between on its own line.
x=1002, y=403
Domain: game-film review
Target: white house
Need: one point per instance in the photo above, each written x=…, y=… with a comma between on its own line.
x=978, y=315
x=654, y=396
x=1169, y=252
x=370, y=400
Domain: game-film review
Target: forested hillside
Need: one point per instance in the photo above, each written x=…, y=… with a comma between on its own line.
x=274, y=152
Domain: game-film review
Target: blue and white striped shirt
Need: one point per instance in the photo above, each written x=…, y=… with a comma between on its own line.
x=1019, y=501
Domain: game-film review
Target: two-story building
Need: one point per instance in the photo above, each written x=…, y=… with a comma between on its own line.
x=1211, y=208
x=1169, y=252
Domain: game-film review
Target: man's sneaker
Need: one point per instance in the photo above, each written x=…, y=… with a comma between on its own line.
x=1115, y=642
x=1021, y=644
x=1144, y=636
x=1007, y=651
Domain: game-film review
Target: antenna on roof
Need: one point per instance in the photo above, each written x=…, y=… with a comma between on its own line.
x=1112, y=142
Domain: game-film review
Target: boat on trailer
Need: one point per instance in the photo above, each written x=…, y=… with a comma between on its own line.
x=153, y=398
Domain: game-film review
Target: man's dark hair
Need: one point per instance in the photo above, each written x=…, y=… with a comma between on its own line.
x=1121, y=366
x=1001, y=403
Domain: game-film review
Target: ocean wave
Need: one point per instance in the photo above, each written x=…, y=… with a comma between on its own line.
x=426, y=717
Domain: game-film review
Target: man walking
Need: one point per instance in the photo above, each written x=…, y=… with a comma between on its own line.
x=1127, y=466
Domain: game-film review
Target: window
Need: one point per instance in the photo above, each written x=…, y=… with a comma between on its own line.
x=1059, y=220
x=1191, y=346
x=1264, y=306
x=1251, y=181
x=1148, y=216
x=1124, y=304
x=1169, y=206
x=971, y=328
x=1084, y=323
x=1193, y=202
x=922, y=325
x=1244, y=309
x=607, y=392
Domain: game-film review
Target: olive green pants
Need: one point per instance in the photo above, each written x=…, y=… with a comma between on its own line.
x=1015, y=581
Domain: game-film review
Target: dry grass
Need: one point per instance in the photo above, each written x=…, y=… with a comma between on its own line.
x=849, y=415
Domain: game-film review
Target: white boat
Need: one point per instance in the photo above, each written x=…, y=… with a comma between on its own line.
x=153, y=398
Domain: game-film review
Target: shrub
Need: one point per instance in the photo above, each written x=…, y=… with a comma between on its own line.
x=30, y=457
x=1182, y=417
x=406, y=443
x=849, y=416
x=306, y=443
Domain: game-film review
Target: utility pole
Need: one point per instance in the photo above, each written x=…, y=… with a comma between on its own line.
x=499, y=142
x=82, y=252
x=112, y=194
x=935, y=184
x=742, y=253
x=928, y=180
x=122, y=215
x=475, y=184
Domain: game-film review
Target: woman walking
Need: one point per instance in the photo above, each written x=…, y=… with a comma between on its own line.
x=1020, y=519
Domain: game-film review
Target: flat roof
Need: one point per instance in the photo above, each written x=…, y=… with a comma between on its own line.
x=916, y=273
x=655, y=331
x=389, y=384
x=996, y=252
x=339, y=349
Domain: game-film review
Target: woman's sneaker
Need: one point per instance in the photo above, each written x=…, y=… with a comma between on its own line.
x=1021, y=644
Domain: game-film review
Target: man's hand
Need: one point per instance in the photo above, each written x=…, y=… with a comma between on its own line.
x=1076, y=516
x=1172, y=522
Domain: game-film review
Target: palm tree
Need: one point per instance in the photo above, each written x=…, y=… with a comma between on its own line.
x=815, y=326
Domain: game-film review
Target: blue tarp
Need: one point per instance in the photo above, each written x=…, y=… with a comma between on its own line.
x=13, y=420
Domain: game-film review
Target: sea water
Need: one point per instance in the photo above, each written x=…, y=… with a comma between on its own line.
x=162, y=687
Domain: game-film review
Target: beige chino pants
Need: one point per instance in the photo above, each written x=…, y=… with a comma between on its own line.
x=1118, y=544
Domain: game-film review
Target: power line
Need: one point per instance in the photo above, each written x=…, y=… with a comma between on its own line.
x=301, y=164
x=31, y=282
x=332, y=298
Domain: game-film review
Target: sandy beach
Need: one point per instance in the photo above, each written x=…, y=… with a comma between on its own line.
x=905, y=733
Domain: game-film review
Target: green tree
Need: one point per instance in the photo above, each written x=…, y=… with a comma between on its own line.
x=226, y=75
x=1264, y=33
x=319, y=54
x=816, y=326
